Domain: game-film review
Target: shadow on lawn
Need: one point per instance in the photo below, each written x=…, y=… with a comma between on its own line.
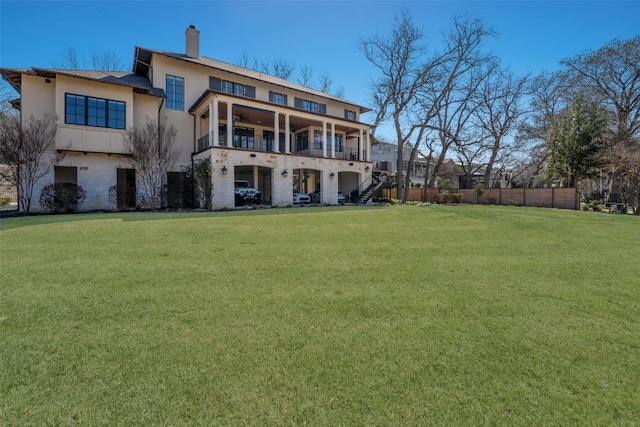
x=8, y=222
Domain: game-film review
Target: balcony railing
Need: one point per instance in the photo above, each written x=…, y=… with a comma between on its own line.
x=258, y=143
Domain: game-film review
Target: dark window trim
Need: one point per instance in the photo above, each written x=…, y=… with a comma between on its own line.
x=172, y=103
x=311, y=106
x=215, y=83
x=118, y=123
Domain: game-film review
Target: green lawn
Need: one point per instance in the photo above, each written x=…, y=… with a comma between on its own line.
x=381, y=316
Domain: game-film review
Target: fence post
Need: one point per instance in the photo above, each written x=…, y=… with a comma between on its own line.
x=553, y=192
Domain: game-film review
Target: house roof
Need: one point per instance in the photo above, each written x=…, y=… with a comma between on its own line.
x=140, y=84
x=142, y=61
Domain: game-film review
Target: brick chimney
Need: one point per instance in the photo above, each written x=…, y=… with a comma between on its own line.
x=193, y=42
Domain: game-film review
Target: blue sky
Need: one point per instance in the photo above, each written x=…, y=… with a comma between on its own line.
x=323, y=35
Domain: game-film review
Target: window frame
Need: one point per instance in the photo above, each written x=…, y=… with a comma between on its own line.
x=95, y=112
x=172, y=102
x=350, y=115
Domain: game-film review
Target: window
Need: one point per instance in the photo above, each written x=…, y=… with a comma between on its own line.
x=311, y=106
x=175, y=93
x=314, y=107
x=317, y=141
x=302, y=140
x=243, y=137
x=232, y=87
x=75, y=113
x=339, y=143
x=349, y=115
x=277, y=98
x=96, y=112
x=116, y=116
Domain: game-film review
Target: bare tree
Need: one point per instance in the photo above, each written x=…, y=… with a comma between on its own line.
x=455, y=96
x=613, y=73
x=152, y=155
x=68, y=60
x=500, y=108
x=26, y=153
x=104, y=61
x=107, y=61
x=397, y=58
x=281, y=68
x=305, y=76
x=420, y=93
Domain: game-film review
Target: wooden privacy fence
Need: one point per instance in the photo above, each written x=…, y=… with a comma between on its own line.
x=561, y=198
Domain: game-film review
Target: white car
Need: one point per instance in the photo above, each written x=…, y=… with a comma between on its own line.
x=300, y=198
x=315, y=198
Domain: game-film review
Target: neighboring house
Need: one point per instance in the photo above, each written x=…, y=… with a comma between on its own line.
x=385, y=160
x=499, y=177
x=277, y=135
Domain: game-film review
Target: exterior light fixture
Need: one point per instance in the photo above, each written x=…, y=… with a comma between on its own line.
x=224, y=170
x=367, y=168
x=284, y=173
x=332, y=175
x=253, y=154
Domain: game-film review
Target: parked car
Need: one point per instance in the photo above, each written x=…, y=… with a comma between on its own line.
x=300, y=198
x=315, y=197
x=246, y=194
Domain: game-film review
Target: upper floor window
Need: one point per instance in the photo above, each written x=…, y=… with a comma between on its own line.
x=175, y=93
x=277, y=98
x=232, y=87
x=349, y=115
x=314, y=107
x=97, y=112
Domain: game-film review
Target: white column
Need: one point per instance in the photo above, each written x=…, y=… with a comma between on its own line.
x=213, y=122
x=255, y=176
x=361, y=143
x=229, y=125
x=276, y=132
x=368, y=138
x=324, y=139
x=287, y=135
x=333, y=140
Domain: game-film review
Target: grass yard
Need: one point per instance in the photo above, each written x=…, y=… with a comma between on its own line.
x=377, y=316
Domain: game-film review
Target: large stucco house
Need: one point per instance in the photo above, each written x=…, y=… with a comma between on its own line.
x=279, y=136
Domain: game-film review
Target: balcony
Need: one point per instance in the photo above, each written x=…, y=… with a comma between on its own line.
x=260, y=144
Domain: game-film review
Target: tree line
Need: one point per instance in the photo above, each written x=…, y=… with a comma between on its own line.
x=456, y=100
